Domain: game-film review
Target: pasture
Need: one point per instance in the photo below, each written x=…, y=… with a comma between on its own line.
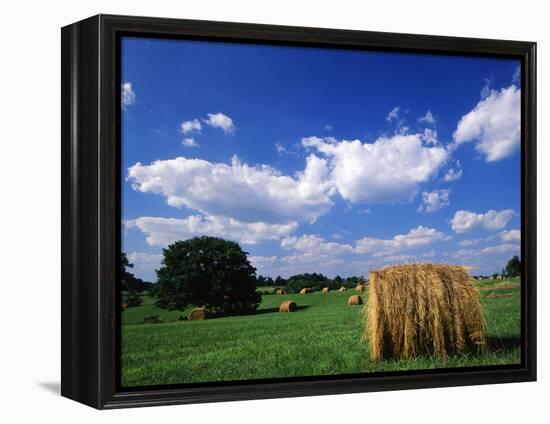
x=323, y=337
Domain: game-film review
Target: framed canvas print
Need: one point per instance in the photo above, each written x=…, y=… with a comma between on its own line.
x=254, y=211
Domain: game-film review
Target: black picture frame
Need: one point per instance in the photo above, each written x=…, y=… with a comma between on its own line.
x=91, y=209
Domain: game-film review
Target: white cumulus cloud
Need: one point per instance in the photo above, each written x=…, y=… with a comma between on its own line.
x=501, y=248
x=417, y=237
x=312, y=243
x=494, y=124
x=187, y=127
x=465, y=221
x=469, y=242
x=510, y=236
x=516, y=78
x=145, y=264
x=189, y=142
x=430, y=136
x=387, y=170
x=127, y=95
x=485, y=259
x=237, y=190
x=453, y=174
x=163, y=231
x=434, y=200
x=299, y=263
x=219, y=120
x=428, y=118
x=280, y=148
x=394, y=114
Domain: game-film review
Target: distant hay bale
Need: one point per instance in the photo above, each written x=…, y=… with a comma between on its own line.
x=325, y=290
x=280, y=291
x=342, y=289
x=422, y=309
x=305, y=290
x=288, y=306
x=355, y=300
x=198, y=314
x=360, y=287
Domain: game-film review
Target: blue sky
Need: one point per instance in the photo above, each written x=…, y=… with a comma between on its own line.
x=319, y=160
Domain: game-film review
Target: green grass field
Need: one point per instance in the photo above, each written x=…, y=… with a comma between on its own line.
x=322, y=338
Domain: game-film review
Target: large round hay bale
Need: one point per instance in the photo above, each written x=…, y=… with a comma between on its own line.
x=305, y=290
x=355, y=300
x=288, y=306
x=325, y=290
x=360, y=287
x=198, y=314
x=422, y=309
x=280, y=291
x=342, y=289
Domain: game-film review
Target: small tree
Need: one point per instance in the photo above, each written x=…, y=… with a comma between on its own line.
x=207, y=271
x=125, y=276
x=280, y=281
x=260, y=281
x=513, y=267
x=129, y=282
x=133, y=299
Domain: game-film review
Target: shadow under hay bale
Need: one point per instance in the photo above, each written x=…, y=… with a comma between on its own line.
x=288, y=306
x=305, y=290
x=355, y=300
x=198, y=314
x=422, y=309
x=325, y=290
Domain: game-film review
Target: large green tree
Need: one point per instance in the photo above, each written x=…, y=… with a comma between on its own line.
x=513, y=267
x=207, y=271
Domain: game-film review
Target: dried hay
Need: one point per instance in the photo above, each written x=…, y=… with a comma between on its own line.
x=360, y=287
x=280, y=291
x=198, y=314
x=288, y=306
x=422, y=309
x=305, y=290
x=355, y=300
x=342, y=289
x=325, y=290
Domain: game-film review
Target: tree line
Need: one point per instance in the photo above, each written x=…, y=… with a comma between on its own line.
x=315, y=281
x=216, y=274
x=511, y=270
